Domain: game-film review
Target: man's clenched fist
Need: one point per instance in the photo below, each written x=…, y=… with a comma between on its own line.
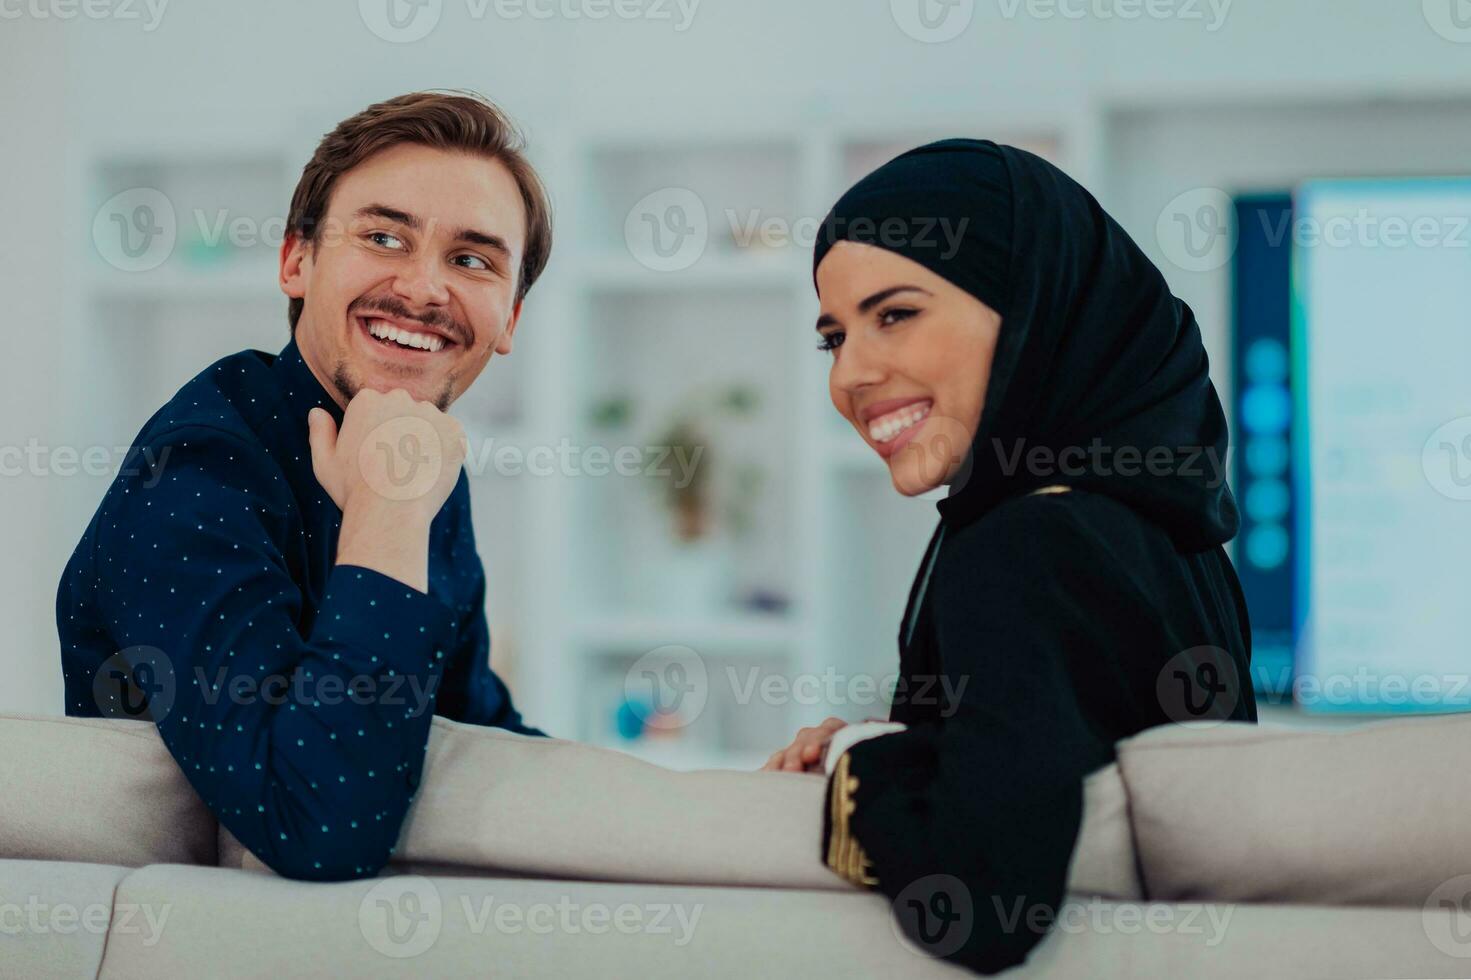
x=391, y=448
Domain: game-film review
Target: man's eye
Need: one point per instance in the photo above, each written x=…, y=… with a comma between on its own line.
x=472, y=262
x=385, y=239
x=831, y=341
x=896, y=315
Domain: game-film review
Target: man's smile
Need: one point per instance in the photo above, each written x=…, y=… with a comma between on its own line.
x=400, y=339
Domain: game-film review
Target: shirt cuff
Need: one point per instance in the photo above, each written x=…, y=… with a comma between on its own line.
x=850, y=735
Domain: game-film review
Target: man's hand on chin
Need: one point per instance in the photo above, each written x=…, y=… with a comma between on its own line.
x=390, y=470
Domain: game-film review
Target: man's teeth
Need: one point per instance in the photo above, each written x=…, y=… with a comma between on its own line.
x=405, y=338
x=887, y=427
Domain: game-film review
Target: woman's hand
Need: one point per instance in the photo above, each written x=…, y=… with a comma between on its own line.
x=806, y=751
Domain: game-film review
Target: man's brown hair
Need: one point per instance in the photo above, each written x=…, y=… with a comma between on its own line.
x=460, y=121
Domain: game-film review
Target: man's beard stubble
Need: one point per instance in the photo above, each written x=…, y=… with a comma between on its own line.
x=348, y=387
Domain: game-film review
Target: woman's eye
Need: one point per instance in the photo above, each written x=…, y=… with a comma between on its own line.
x=897, y=315
x=831, y=341
x=385, y=239
x=474, y=262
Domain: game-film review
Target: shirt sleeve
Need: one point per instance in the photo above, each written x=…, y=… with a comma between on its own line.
x=305, y=737
x=972, y=820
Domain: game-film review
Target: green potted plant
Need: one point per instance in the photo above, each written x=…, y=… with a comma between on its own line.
x=706, y=495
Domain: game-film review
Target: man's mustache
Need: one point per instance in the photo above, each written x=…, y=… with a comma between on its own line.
x=457, y=331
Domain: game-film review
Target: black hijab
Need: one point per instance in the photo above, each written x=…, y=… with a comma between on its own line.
x=1062, y=622
x=1099, y=375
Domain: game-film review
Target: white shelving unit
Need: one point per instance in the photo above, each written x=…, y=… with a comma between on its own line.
x=169, y=284
x=589, y=590
x=830, y=537
x=840, y=545
x=586, y=630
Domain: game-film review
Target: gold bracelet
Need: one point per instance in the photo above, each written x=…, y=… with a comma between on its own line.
x=845, y=855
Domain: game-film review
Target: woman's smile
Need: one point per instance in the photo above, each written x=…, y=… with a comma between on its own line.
x=893, y=423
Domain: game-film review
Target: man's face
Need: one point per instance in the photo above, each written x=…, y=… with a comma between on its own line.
x=412, y=281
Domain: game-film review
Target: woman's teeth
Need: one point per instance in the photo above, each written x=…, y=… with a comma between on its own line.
x=405, y=338
x=887, y=427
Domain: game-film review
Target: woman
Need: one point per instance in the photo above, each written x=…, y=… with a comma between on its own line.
x=992, y=329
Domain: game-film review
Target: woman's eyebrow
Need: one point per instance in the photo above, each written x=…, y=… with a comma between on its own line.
x=828, y=320
x=884, y=294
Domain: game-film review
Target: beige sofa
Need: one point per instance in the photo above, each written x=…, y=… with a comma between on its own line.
x=1231, y=851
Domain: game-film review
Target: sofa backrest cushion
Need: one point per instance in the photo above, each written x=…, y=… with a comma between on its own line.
x=99, y=791
x=1104, y=863
x=493, y=801
x=1374, y=815
x=502, y=803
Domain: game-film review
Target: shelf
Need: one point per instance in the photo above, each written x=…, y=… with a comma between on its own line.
x=247, y=281
x=569, y=555
x=621, y=272
x=736, y=632
x=488, y=465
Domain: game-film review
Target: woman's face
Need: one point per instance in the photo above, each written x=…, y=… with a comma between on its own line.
x=911, y=357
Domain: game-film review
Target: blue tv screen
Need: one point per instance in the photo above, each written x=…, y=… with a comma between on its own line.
x=1381, y=444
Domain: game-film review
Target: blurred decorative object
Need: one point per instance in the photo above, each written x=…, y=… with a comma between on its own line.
x=611, y=413
x=700, y=485
x=199, y=252
x=766, y=601
x=687, y=495
x=692, y=572
x=709, y=498
x=629, y=719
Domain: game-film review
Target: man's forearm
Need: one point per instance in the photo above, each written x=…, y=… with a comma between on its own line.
x=389, y=537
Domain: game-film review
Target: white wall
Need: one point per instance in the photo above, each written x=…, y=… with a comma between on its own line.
x=32, y=279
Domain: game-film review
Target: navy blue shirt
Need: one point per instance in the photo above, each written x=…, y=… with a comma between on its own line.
x=295, y=693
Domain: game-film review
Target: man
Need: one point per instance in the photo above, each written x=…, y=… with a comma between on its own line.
x=290, y=590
